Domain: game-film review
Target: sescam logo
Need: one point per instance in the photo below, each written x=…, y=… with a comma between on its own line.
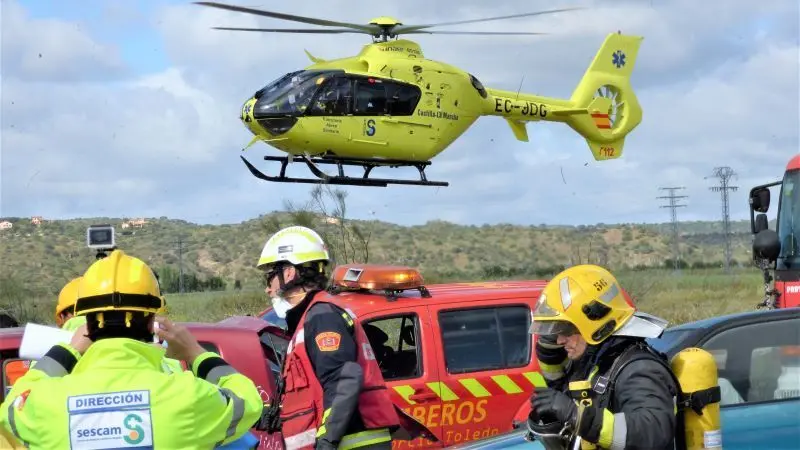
x=136, y=433
x=111, y=420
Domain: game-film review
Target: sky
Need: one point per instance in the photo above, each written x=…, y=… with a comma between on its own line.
x=128, y=108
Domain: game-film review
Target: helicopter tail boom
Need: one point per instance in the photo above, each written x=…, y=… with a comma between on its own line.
x=603, y=107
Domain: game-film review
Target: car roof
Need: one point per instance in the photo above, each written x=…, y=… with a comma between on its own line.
x=361, y=302
x=738, y=317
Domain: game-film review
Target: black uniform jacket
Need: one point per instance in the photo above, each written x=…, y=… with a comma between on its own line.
x=643, y=403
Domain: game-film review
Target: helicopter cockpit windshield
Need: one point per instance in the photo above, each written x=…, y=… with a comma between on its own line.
x=290, y=94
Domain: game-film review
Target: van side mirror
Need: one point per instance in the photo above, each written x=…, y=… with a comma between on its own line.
x=761, y=223
x=766, y=245
x=759, y=200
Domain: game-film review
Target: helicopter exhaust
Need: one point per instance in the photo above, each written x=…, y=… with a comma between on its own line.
x=603, y=107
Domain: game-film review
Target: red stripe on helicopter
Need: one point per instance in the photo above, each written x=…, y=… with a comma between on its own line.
x=601, y=120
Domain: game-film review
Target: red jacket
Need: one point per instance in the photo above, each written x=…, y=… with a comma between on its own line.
x=302, y=404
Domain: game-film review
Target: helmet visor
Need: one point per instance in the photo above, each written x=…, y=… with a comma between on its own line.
x=553, y=327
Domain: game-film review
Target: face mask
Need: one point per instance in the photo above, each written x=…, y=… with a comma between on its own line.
x=281, y=306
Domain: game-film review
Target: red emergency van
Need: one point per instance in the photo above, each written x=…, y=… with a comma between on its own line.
x=457, y=357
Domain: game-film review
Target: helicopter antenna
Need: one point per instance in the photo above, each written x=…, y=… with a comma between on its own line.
x=520, y=86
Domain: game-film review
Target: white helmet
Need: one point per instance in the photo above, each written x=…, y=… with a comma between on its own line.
x=296, y=245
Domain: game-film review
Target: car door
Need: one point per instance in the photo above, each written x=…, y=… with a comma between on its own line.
x=401, y=340
x=759, y=374
x=487, y=368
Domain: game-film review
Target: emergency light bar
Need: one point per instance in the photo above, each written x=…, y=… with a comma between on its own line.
x=373, y=277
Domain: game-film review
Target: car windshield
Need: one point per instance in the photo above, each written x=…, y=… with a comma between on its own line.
x=789, y=221
x=669, y=340
x=290, y=94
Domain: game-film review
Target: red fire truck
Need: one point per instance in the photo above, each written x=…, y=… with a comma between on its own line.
x=778, y=251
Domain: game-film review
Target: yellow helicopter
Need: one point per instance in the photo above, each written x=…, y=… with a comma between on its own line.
x=389, y=106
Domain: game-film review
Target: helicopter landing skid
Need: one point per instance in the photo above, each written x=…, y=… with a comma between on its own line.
x=341, y=178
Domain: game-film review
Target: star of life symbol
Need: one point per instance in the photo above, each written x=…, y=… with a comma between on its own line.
x=618, y=59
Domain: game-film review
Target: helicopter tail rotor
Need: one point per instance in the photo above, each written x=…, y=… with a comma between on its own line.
x=610, y=109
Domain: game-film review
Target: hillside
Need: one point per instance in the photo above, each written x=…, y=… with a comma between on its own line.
x=47, y=255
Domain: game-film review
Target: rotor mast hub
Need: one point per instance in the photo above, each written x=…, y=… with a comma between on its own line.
x=386, y=25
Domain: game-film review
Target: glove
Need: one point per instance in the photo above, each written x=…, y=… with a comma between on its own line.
x=553, y=403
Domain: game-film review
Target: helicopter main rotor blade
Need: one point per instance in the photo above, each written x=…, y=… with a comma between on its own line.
x=510, y=33
x=409, y=28
x=293, y=30
x=301, y=19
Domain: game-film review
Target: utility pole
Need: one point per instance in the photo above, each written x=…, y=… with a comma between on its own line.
x=180, y=243
x=673, y=206
x=725, y=174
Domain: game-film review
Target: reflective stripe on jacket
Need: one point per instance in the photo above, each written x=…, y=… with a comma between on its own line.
x=116, y=395
x=303, y=414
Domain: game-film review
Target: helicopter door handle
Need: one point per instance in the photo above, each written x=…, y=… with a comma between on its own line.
x=422, y=396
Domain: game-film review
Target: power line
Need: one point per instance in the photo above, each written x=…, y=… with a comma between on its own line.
x=725, y=174
x=673, y=206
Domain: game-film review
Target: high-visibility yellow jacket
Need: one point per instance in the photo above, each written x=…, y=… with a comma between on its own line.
x=74, y=322
x=117, y=395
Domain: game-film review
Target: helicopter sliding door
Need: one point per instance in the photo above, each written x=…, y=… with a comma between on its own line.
x=389, y=128
x=365, y=117
x=326, y=120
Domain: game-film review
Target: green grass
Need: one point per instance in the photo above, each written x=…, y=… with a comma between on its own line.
x=692, y=295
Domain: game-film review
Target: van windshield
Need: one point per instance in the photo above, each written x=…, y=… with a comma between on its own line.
x=789, y=221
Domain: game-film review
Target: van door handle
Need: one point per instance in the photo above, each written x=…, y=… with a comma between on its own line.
x=422, y=396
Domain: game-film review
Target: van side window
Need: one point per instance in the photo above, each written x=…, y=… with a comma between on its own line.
x=394, y=341
x=486, y=338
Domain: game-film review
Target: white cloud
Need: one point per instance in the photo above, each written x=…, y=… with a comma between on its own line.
x=719, y=86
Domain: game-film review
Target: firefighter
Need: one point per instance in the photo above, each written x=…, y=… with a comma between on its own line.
x=329, y=363
x=587, y=331
x=106, y=389
x=65, y=308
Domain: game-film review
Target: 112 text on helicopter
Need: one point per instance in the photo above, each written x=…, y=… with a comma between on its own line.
x=389, y=106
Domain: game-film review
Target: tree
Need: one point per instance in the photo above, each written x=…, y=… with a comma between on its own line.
x=326, y=213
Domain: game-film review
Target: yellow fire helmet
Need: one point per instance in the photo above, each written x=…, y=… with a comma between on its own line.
x=588, y=299
x=67, y=298
x=118, y=282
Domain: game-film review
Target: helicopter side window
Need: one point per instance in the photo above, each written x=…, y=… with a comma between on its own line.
x=370, y=98
x=333, y=99
x=402, y=99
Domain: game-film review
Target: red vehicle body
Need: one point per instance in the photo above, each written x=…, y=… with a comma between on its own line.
x=779, y=250
x=457, y=357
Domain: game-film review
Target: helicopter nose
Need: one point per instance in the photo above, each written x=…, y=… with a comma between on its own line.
x=247, y=110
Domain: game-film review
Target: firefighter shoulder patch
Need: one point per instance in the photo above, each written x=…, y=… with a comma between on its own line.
x=328, y=341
